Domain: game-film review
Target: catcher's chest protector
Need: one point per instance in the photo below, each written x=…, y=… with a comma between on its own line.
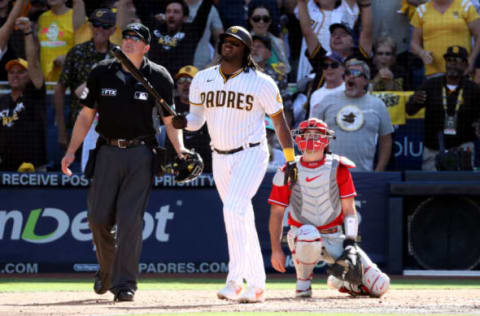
x=315, y=197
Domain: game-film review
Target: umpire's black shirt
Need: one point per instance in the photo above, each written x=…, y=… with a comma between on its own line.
x=124, y=105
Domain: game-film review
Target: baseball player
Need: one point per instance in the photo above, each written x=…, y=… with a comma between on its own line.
x=233, y=97
x=321, y=201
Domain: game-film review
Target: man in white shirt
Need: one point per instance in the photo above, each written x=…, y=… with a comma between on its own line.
x=333, y=70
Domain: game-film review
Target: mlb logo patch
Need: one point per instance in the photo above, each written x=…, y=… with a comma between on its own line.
x=139, y=95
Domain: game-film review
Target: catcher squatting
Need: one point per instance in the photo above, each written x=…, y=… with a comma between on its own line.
x=318, y=204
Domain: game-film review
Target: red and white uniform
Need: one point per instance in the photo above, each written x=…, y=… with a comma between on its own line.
x=315, y=198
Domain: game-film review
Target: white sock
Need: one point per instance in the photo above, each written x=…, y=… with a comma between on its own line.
x=303, y=285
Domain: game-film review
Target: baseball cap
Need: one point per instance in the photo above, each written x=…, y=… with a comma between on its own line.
x=19, y=61
x=104, y=16
x=334, y=57
x=189, y=70
x=141, y=30
x=265, y=40
x=456, y=51
x=344, y=26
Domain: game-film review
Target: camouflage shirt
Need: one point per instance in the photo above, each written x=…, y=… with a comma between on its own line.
x=79, y=62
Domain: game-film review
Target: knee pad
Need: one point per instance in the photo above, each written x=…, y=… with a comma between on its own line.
x=306, y=243
x=375, y=281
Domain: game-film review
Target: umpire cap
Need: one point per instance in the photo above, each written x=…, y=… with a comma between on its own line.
x=139, y=29
x=239, y=33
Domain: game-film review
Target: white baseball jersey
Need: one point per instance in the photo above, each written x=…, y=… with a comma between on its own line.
x=321, y=21
x=235, y=108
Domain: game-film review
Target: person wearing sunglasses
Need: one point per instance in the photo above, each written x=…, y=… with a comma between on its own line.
x=260, y=23
x=387, y=74
x=78, y=64
x=333, y=70
x=451, y=111
x=122, y=164
x=359, y=120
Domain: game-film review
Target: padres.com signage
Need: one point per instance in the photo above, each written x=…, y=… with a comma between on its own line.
x=44, y=228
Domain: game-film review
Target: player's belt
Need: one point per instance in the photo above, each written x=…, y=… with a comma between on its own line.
x=331, y=230
x=235, y=150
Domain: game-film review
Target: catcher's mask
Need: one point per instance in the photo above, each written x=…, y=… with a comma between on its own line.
x=312, y=135
x=189, y=168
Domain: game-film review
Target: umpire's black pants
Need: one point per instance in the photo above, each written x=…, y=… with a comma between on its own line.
x=118, y=195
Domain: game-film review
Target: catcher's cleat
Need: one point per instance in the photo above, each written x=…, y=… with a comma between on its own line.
x=304, y=293
x=252, y=295
x=345, y=287
x=232, y=291
x=101, y=283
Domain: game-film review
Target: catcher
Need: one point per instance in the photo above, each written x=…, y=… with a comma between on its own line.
x=318, y=204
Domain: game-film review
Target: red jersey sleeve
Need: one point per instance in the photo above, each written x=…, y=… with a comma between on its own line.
x=280, y=194
x=345, y=183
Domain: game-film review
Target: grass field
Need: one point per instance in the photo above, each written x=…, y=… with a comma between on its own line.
x=187, y=296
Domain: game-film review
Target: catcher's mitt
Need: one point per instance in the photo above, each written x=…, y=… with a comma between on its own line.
x=188, y=168
x=348, y=267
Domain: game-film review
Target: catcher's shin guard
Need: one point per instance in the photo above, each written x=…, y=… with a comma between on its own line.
x=305, y=243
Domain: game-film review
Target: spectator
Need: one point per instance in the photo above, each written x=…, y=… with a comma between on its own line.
x=78, y=63
x=323, y=14
x=235, y=12
x=261, y=53
x=174, y=41
x=205, y=52
x=23, y=111
x=387, y=75
x=451, y=107
x=260, y=21
x=7, y=52
x=125, y=14
x=439, y=24
x=200, y=140
x=56, y=28
x=358, y=119
x=333, y=71
x=341, y=41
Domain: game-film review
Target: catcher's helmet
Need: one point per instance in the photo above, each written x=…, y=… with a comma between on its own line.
x=317, y=137
x=239, y=33
x=189, y=168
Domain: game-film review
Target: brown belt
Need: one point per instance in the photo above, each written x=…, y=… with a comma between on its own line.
x=328, y=230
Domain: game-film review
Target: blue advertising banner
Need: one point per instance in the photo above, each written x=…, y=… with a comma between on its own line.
x=44, y=228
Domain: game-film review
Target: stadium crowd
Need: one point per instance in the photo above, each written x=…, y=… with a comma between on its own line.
x=329, y=58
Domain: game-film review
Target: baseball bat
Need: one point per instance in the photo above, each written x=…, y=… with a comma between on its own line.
x=117, y=52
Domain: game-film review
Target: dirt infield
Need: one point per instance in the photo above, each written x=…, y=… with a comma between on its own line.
x=449, y=302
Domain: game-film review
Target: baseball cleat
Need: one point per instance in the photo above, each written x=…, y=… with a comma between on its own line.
x=304, y=293
x=231, y=291
x=252, y=295
x=334, y=283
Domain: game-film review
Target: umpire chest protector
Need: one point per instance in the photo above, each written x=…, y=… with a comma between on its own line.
x=124, y=105
x=315, y=197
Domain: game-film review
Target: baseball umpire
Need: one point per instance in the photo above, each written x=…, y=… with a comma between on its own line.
x=233, y=97
x=123, y=169
x=318, y=205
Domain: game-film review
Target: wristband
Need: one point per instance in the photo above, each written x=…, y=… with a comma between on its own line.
x=289, y=154
x=351, y=227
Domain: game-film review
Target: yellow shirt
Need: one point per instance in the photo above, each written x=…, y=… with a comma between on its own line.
x=85, y=34
x=56, y=37
x=443, y=30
